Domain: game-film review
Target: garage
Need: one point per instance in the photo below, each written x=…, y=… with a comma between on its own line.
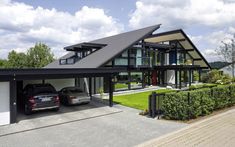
x=12, y=82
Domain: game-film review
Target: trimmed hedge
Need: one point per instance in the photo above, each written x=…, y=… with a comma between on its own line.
x=200, y=86
x=191, y=104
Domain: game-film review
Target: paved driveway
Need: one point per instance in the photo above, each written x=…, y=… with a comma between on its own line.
x=217, y=131
x=119, y=126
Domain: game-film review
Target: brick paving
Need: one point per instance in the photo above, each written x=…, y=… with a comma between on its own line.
x=216, y=131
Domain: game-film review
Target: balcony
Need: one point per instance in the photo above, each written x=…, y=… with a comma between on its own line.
x=143, y=62
x=70, y=60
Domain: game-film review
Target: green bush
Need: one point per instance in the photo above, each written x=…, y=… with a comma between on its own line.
x=199, y=86
x=199, y=102
x=232, y=98
x=175, y=106
x=195, y=76
x=215, y=76
x=224, y=96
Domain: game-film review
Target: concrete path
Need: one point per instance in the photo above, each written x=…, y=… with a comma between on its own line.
x=216, y=131
x=123, y=129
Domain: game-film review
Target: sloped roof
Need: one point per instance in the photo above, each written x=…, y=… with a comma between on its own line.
x=185, y=42
x=115, y=45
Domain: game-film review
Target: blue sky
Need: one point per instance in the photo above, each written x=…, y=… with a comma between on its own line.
x=59, y=23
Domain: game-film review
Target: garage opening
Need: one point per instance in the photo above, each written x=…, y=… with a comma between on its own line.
x=88, y=81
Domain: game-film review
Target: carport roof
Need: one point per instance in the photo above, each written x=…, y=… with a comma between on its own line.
x=55, y=73
x=113, y=46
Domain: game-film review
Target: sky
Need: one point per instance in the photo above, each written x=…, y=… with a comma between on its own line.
x=59, y=23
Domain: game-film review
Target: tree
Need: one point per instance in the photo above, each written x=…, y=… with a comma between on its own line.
x=16, y=60
x=3, y=63
x=227, y=51
x=39, y=56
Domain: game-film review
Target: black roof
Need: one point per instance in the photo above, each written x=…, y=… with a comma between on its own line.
x=114, y=46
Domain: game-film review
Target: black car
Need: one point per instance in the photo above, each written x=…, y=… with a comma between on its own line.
x=40, y=97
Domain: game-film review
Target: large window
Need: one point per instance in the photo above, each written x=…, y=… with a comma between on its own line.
x=122, y=81
x=136, y=80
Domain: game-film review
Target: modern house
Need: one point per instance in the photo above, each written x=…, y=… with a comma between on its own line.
x=168, y=58
x=129, y=60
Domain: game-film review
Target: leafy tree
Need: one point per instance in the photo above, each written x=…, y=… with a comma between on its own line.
x=227, y=52
x=16, y=60
x=39, y=56
x=3, y=63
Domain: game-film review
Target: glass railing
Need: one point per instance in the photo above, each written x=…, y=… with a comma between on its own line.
x=143, y=62
x=68, y=61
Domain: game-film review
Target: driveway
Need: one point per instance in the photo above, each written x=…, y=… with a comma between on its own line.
x=216, y=131
x=96, y=127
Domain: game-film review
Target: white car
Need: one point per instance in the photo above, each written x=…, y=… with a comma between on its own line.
x=73, y=95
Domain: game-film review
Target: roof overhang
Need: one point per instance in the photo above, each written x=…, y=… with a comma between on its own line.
x=185, y=42
x=84, y=46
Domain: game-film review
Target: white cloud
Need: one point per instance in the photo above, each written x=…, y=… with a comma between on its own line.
x=183, y=13
x=209, y=21
x=24, y=25
x=210, y=43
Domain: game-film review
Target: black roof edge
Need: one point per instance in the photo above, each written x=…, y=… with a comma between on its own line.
x=195, y=48
x=142, y=38
x=166, y=33
x=47, y=71
x=85, y=44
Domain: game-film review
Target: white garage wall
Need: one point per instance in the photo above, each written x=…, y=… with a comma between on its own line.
x=25, y=82
x=4, y=103
x=61, y=83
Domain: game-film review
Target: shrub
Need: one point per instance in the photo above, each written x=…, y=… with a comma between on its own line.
x=175, y=106
x=226, y=79
x=195, y=76
x=232, y=97
x=199, y=102
x=214, y=76
x=221, y=96
x=199, y=86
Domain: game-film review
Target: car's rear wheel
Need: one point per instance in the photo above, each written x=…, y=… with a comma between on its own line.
x=56, y=109
x=27, y=110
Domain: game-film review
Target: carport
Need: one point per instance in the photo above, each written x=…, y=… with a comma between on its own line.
x=12, y=76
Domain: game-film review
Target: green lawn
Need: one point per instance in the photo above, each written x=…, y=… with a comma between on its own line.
x=121, y=85
x=137, y=100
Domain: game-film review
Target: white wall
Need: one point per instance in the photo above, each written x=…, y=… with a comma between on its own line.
x=4, y=103
x=170, y=77
x=26, y=82
x=227, y=70
x=61, y=83
x=57, y=83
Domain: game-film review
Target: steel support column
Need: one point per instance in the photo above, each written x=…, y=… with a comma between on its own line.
x=190, y=77
x=110, y=91
x=90, y=88
x=94, y=85
x=143, y=79
x=199, y=73
x=180, y=79
x=13, y=106
x=129, y=80
x=176, y=79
